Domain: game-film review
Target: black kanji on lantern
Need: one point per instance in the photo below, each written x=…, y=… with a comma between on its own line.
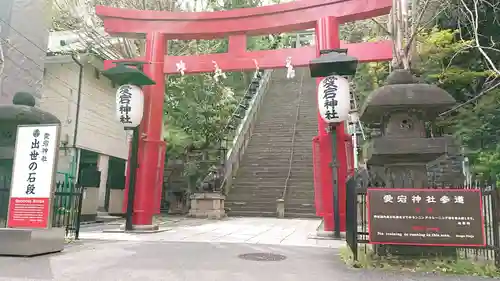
x=124, y=104
x=329, y=95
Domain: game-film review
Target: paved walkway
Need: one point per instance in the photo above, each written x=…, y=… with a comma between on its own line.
x=271, y=231
x=187, y=261
x=201, y=250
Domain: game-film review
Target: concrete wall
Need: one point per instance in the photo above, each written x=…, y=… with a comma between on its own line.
x=23, y=38
x=98, y=129
x=116, y=201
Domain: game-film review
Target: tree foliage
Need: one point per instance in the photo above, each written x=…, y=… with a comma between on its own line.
x=457, y=54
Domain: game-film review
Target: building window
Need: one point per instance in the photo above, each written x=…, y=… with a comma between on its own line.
x=116, y=173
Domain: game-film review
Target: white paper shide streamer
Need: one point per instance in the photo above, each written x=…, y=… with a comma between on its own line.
x=129, y=105
x=333, y=99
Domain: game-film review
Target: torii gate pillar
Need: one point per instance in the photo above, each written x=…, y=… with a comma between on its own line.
x=327, y=38
x=151, y=145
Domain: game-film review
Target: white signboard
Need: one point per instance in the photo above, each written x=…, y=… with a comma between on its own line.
x=334, y=100
x=33, y=176
x=129, y=105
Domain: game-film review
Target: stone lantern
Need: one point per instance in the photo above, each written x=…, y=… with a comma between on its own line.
x=402, y=109
x=21, y=111
x=23, y=241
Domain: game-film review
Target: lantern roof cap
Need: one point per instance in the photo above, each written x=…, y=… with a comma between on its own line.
x=128, y=72
x=333, y=62
x=23, y=111
x=403, y=92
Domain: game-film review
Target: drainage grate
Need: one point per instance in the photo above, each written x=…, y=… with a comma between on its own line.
x=262, y=257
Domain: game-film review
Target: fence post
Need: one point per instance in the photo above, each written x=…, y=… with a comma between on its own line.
x=495, y=225
x=79, y=210
x=352, y=217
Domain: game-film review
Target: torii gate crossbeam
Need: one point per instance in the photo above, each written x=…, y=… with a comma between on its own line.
x=159, y=26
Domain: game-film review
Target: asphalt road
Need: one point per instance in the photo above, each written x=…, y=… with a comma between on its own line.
x=193, y=261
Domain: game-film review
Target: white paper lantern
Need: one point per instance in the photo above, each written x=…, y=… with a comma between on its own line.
x=334, y=101
x=129, y=105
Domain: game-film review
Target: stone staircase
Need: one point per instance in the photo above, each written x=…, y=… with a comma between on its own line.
x=300, y=189
x=279, y=148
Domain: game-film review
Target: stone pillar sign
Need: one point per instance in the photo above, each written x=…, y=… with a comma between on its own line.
x=31, y=150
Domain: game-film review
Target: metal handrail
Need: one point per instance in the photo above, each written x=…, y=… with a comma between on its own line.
x=228, y=144
x=229, y=124
x=292, y=150
x=261, y=90
x=263, y=83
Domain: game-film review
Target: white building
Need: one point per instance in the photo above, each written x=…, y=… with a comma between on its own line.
x=90, y=136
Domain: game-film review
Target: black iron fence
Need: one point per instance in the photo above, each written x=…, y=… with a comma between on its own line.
x=357, y=216
x=66, y=206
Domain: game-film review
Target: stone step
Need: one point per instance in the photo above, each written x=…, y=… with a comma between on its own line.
x=277, y=163
x=295, y=204
x=305, y=191
x=263, y=186
x=270, y=130
x=270, y=189
x=302, y=201
x=246, y=179
x=299, y=211
x=298, y=161
x=274, y=141
x=265, y=178
x=247, y=203
x=279, y=181
x=276, y=146
x=271, y=205
x=265, y=183
x=255, y=196
x=276, y=150
x=253, y=201
x=303, y=207
x=266, y=162
x=277, y=160
x=270, y=171
x=279, y=153
x=300, y=194
x=302, y=204
x=263, y=160
x=243, y=192
x=300, y=215
x=298, y=188
x=242, y=213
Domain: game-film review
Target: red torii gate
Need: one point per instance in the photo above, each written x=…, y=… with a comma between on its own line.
x=159, y=26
